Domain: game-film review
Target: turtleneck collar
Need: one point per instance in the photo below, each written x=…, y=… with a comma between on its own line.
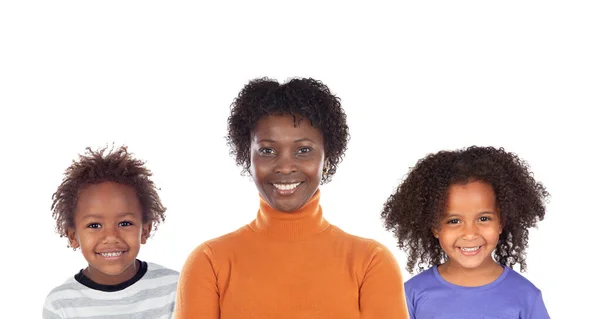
x=302, y=224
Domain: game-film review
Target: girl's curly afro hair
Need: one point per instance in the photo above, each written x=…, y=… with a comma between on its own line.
x=420, y=200
x=306, y=97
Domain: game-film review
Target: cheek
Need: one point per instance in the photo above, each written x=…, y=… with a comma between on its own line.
x=131, y=237
x=317, y=172
x=259, y=168
x=87, y=240
x=491, y=233
x=313, y=168
x=496, y=233
x=131, y=232
x=138, y=234
x=446, y=238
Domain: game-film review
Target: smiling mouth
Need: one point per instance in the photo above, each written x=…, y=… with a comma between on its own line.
x=470, y=251
x=286, y=186
x=112, y=254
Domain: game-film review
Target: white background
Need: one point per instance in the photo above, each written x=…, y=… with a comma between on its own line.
x=414, y=77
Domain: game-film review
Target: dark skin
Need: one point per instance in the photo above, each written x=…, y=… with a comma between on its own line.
x=308, y=97
x=419, y=202
x=471, y=222
x=109, y=230
x=286, y=161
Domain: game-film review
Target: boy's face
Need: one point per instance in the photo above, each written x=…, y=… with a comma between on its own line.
x=470, y=228
x=286, y=161
x=109, y=231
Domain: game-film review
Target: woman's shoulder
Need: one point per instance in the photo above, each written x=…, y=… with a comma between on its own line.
x=223, y=242
x=367, y=245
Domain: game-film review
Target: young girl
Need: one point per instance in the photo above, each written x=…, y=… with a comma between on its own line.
x=289, y=262
x=466, y=214
x=107, y=206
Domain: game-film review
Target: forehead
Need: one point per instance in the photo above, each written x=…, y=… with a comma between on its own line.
x=285, y=126
x=473, y=197
x=107, y=198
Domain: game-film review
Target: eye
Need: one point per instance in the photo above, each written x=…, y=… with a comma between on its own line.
x=304, y=150
x=485, y=218
x=125, y=224
x=266, y=151
x=453, y=221
x=93, y=225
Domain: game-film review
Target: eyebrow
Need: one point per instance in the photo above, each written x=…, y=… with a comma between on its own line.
x=304, y=139
x=491, y=212
x=100, y=216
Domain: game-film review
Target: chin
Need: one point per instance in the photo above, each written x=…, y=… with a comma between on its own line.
x=473, y=264
x=288, y=208
x=470, y=266
x=112, y=271
x=289, y=204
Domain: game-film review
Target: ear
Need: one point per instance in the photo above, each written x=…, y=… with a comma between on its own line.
x=435, y=232
x=501, y=226
x=146, y=228
x=325, y=166
x=72, y=237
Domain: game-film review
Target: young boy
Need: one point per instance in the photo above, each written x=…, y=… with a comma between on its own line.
x=107, y=207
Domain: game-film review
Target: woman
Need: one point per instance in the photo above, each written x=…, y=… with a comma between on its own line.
x=289, y=262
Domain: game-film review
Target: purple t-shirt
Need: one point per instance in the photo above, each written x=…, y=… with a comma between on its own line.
x=510, y=296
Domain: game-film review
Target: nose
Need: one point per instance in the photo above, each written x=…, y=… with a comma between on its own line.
x=286, y=164
x=110, y=234
x=470, y=231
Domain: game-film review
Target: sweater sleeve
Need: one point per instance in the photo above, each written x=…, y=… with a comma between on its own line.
x=197, y=291
x=382, y=291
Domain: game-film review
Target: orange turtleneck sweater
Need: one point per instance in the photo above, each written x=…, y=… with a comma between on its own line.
x=290, y=265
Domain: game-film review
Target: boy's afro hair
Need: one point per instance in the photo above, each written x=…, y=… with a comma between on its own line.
x=95, y=167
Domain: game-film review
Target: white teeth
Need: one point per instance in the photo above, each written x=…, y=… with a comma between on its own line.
x=286, y=187
x=470, y=248
x=115, y=254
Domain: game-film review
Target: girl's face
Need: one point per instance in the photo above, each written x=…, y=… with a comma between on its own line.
x=109, y=231
x=470, y=227
x=286, y=161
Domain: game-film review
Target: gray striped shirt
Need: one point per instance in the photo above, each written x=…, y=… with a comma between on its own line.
x=152, y=297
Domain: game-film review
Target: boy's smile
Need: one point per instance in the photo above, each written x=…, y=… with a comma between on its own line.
x=112, y=254
x=109, y=230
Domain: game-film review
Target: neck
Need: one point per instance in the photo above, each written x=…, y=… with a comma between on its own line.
x=484, y=274
x=302, y=224
x=99, y=277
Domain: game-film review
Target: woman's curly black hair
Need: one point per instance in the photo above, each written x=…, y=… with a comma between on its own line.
x=95, y=167
x=306, y=97
x=419, y=202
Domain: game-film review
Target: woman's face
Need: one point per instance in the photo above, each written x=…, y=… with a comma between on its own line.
x=286, y=160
